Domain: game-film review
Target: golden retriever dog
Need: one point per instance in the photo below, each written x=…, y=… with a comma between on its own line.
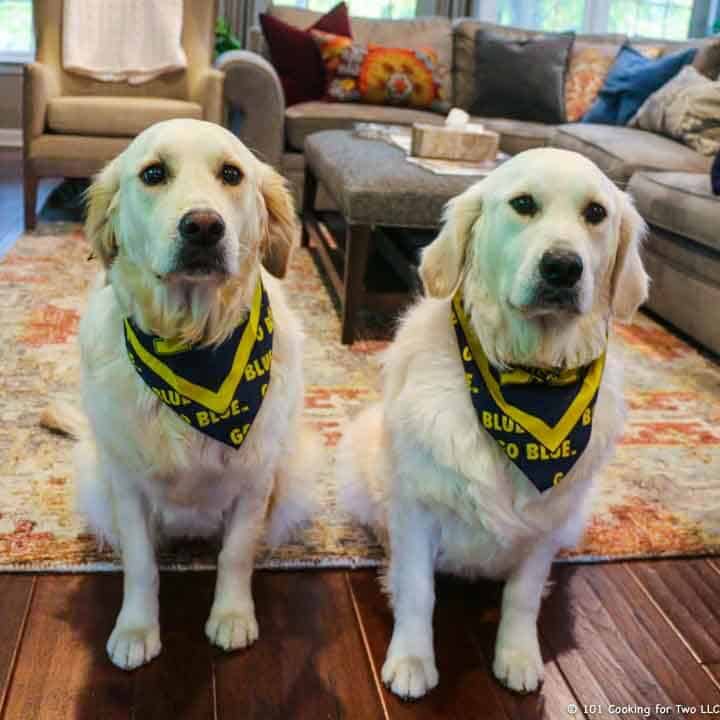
x=181, y=221
x=522, y=283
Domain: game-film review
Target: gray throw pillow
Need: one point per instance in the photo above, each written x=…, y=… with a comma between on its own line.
x=521, y=79
x=687, y=108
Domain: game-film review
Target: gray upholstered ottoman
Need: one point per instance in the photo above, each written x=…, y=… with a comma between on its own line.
x=374, y=187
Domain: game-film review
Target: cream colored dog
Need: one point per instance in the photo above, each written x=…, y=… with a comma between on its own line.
x=181, y=221
x=545, y=251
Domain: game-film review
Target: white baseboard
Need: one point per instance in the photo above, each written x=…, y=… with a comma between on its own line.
x=11, y=137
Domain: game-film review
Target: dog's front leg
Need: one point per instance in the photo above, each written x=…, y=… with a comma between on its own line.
x=135, y=639
x=518, y=662
x=232, y=622
x=409, y=668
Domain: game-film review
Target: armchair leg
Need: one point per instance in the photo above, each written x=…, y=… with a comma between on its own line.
x=30, y=185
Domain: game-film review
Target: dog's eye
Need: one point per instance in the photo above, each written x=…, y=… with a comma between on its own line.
x=154, y=174
x=231, y=175
x=524, y=205
x=594, y=213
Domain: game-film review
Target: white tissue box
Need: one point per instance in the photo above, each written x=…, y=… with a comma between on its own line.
x=469, y=143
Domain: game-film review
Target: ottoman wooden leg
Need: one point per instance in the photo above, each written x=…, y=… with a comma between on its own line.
x=308, y=207
x=357, y=249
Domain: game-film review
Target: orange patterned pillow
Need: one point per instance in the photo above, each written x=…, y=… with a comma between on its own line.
x=380, y=75
x=587, y=70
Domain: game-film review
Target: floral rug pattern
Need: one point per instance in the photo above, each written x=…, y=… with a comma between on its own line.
x=659, y=497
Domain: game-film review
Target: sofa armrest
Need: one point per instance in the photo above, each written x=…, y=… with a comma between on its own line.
x=256, y=101
x=40, y=84
x=206, y=89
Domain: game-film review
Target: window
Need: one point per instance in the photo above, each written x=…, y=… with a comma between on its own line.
x=16, y=30
x=648, y=18
x=365, y=8
x=651, y=18
x=553, y=15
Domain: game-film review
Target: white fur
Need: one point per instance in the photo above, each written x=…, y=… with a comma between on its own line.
x=419, y=467
x=143, y=473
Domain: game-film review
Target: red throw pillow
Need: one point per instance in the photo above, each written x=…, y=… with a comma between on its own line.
x=295, y=55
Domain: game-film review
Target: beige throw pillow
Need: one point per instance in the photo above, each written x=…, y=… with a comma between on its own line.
x=687, y=108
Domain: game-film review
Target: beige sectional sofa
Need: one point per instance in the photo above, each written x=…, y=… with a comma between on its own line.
x=669, y=180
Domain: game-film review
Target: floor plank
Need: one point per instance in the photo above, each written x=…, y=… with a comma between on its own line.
x=179, y=683
x=465, y=625
x=62, y=670
x=309, y=661
x=15, y=598
x=615, y=646
x=714, y=670
x=688, y=594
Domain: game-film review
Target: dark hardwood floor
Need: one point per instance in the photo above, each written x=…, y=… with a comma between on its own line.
x=638, y=634
x=642, y=637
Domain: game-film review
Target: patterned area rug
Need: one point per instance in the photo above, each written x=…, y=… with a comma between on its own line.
x=660, y=497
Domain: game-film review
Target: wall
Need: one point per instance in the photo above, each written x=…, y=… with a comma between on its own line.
x=10, y=96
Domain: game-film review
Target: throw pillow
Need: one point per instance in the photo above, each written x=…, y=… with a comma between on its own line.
x=380, y=75
x=588, y=68
x=521, y=79
x=715, y=175
x=631, y=80
x=295, y=56
x=687, y=108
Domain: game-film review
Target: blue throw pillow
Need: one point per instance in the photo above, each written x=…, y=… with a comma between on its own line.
x=631, y=80
x=715, y=175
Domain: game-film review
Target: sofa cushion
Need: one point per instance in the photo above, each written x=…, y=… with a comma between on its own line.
x=296, y=58
x=521, y=79
x=416, y=34
x=707, y=58
x=620, y=151
x=114, y=116
x=306, y=118
x=518, y=135
x=379, y=75
x=687, y=109
x=631, y=81
x=464, y=31
x=590, y=61
x=680, y=202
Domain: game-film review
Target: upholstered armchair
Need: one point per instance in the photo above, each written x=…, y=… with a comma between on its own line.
x=73, y=125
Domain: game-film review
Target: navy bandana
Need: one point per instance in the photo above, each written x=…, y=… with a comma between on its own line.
x=219, y=389
x=542, y=419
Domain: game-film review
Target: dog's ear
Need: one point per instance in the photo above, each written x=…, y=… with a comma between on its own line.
x=443, y=260
x=629, y=282
x=101, y=198
x=281, y=227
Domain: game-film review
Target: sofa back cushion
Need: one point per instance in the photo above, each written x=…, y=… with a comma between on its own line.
x=521, y=79
x=686, y=108
x=591, y=57
x=416, y=34
x=707, y=58
x=631, y=81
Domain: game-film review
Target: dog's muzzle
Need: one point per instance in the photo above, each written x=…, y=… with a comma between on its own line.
x=560, y=273
x=201, y=232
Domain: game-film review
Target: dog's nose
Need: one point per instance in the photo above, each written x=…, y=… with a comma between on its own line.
x=201, y=227
x=561, y=269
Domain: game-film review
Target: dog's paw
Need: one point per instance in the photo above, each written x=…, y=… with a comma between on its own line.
x=232, y=630
x=410, y=677
x=519, y=668
x=130, y=647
